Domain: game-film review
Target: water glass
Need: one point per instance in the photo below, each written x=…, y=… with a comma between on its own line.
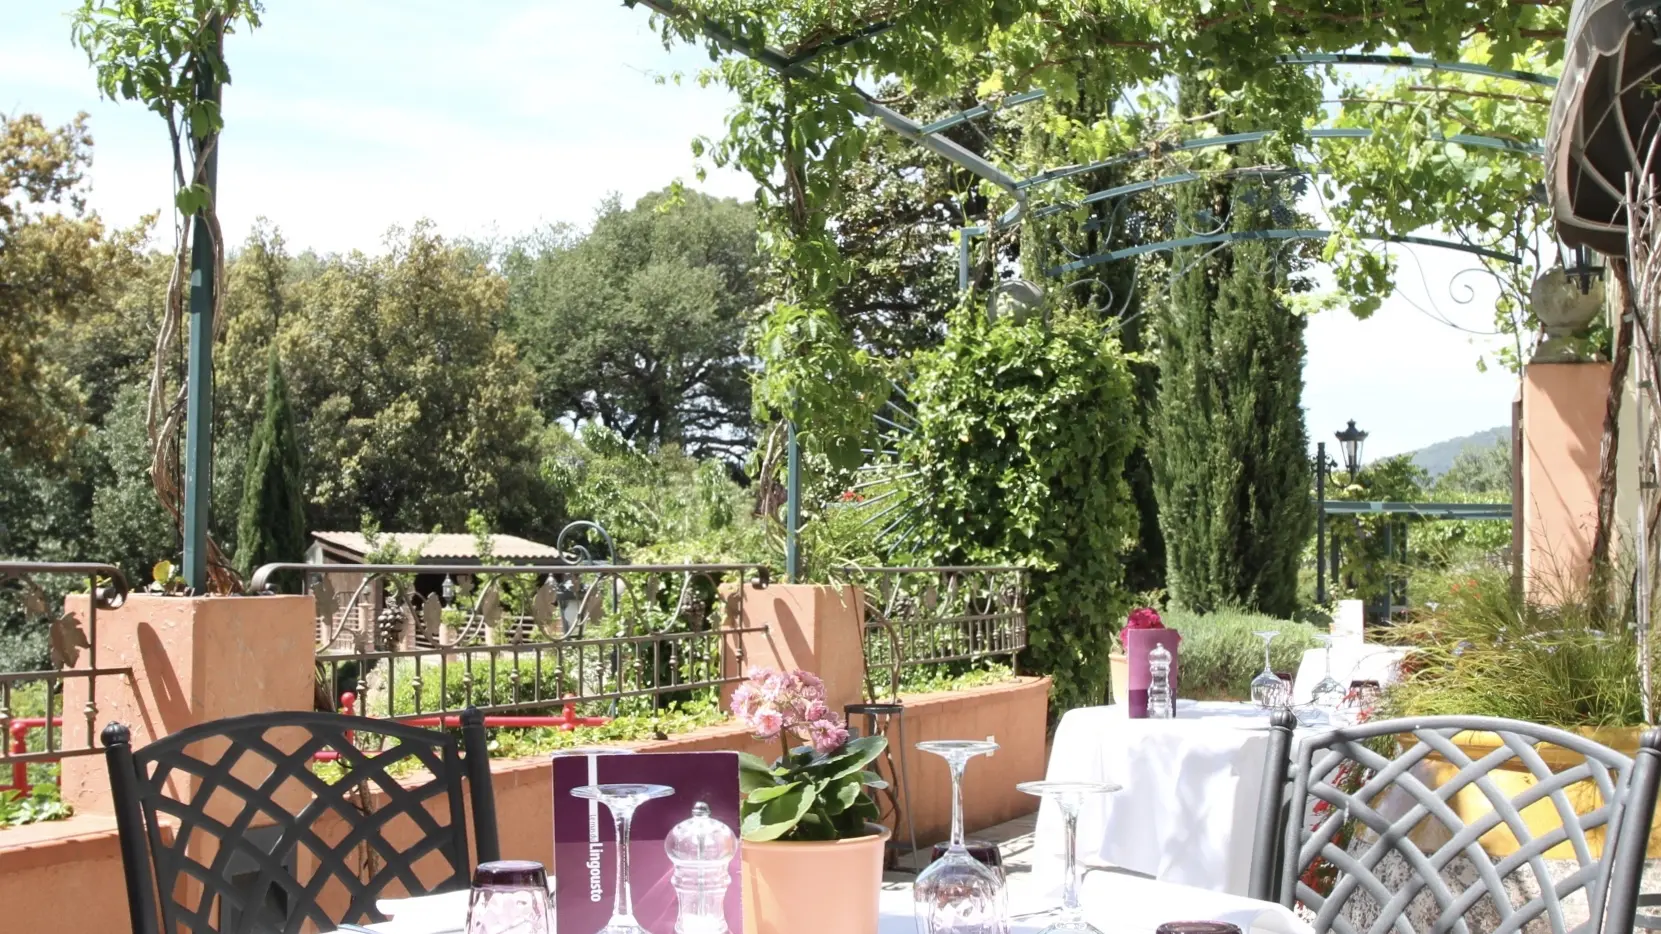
x=622, y=800
x=958, y=893
x=1069, y=797
x=509, y=897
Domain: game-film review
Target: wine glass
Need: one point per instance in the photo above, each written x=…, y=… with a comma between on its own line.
x=957, y=893
x=622, y=800
x=1327, y=693
x=1069, y=797
x=509, y=897
x=1267, y=688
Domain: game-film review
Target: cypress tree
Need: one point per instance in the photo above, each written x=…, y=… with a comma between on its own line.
x=271, y=525
x=1231, y=461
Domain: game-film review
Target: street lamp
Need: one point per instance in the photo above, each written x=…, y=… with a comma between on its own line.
x=1351, y=439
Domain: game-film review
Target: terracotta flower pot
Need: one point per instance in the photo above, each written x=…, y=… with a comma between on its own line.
x=791, y=886
x=1541, y=817
x=1118, y=666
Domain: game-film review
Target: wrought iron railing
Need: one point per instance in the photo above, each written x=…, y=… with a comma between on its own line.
x=916, y=616
x=35, y=727
x=418, y=641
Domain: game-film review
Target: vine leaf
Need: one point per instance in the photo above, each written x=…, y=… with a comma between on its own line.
x=542, y=606
x=67, y=640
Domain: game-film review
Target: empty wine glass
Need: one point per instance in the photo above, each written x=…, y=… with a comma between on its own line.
x=1267, y=688
x=1069, y=797
x=622, y=800
x=1327, y=693
x=957, y=893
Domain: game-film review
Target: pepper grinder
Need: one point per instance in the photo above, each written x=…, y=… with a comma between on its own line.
x=702, y=849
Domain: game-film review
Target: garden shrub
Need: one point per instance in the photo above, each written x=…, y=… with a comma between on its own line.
x=1484, y=648
x=1220, y=656
x=447, y=690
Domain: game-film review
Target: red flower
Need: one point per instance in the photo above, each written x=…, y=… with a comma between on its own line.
x=852, y=496
x=1144, y=618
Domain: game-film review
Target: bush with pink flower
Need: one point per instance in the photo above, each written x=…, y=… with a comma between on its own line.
x=1140, y=618
x=817, y=790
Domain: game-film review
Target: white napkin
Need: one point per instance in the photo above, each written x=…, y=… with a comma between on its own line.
x=442, y=913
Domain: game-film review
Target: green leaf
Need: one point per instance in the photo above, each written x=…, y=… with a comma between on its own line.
x=776, y=817
x=842, y=794
x=763, y=795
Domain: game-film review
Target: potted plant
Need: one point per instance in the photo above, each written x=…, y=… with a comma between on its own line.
x=1563, y=659
x=808, y=817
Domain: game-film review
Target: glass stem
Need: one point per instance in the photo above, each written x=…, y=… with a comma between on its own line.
x=1070, y=909
x=957, y=764
x=1268, y=665
x=623, y=904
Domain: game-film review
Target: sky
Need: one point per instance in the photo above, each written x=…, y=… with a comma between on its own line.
x=492, y=119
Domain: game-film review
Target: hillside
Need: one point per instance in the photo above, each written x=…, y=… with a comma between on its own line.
x=1438, y=457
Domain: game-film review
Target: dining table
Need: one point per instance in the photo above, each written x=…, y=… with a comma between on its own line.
x=1189, y=793
x=1116, y=903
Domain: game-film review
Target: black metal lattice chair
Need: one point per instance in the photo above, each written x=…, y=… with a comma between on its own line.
x=226, y=829
x=1364, y=844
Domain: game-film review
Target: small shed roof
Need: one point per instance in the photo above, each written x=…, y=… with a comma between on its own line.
x=443, y=545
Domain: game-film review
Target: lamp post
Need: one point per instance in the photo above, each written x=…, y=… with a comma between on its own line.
x=1322, y=466
x=1351, y=439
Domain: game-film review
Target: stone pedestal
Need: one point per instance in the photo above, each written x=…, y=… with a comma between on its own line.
x=194, y=659
x=813, y=628
x=1563, y=407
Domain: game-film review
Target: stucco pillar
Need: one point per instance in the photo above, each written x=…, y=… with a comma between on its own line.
x=813, y=628
x=1562, y=428
x=194, y=659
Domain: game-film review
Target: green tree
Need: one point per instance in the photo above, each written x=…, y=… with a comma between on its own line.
x=58, y=266
x=1231, y=459
x=271, y=525
x=418, y=409
x=1478, y=472
x=639, y=325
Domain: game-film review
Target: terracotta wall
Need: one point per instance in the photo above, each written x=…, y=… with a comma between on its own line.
x=66, y=875
x=1563, y=406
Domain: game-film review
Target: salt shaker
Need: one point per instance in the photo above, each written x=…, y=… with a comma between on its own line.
x=702, y=849
x=1160, y=705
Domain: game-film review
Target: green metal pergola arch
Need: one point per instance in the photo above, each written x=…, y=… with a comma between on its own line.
x=928, y=136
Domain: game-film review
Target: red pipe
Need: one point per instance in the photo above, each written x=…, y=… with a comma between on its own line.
x=20, y=728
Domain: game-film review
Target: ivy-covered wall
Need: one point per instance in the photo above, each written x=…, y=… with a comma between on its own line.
x=1023, y=432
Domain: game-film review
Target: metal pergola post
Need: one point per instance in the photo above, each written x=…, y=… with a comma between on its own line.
x=198, y=465
x=1320, y=523
x=793, y=508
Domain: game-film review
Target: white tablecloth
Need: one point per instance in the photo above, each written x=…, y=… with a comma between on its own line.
x=1351, y=661
x=1188, y=810
x=1116, y=903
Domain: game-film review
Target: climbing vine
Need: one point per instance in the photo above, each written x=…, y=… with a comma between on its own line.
x=169, y=56
x=1123, y=55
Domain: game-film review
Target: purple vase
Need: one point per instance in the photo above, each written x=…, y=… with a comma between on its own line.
x=1138, y=643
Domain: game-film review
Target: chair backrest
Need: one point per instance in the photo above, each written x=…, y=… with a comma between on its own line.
x=238, y=826
x=1382, y=827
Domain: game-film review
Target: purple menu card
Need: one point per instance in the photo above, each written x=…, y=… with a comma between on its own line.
x=585, y=839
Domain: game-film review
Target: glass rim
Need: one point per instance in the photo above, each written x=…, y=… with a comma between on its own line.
x=606, y=790
x=510, y=873
x=944, y=746
x=1044, y=788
